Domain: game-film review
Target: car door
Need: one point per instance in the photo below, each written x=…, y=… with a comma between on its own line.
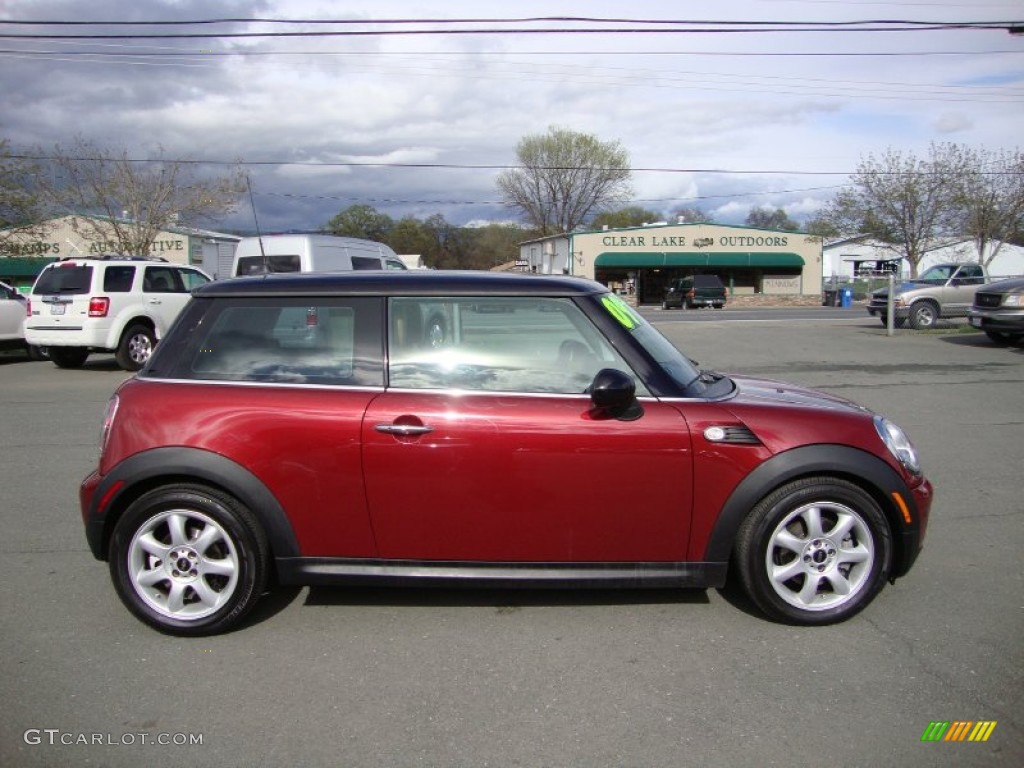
x=12, y=315
x=166, y=291
x=959, y=295
x=488, y=449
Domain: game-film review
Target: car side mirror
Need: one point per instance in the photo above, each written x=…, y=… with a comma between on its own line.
x=613, y=394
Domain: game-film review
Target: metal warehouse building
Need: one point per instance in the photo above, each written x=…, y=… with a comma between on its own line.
x=640, y=261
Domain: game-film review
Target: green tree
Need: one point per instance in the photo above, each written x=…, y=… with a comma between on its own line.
x=563, y=178
x=409, y=236
x=363, y=221
x=130, y=201
x=493, y=245
x=631, y=216
x=766, y=218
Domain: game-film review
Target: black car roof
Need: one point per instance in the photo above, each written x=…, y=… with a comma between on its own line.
x=410, y=283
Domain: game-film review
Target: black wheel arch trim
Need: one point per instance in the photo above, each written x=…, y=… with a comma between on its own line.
x=149, y=469
x=865, y=470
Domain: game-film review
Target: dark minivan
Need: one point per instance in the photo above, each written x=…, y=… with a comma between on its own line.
x=694, y=291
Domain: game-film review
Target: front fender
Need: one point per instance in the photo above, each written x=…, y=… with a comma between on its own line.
x=116, y=490
x=866, y=470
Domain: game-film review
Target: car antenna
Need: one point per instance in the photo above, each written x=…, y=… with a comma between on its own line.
x=255, y=218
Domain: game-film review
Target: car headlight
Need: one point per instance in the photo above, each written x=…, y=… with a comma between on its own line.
x=1013, y=300
x=899, y=445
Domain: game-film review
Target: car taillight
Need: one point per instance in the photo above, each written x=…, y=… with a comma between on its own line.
x=99, y=306
x=28, y=308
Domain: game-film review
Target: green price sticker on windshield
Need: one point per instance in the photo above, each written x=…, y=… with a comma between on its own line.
x=620, y=310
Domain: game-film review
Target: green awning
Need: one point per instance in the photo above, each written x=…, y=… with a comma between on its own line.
x=697, y=259
x=22, y=266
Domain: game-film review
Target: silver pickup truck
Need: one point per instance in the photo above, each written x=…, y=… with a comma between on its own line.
x=945, y=290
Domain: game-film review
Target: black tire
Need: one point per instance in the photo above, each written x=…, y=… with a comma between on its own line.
x=68, y=357
x=897, y=322
x=1003, y=338
x=800, y=572
x=188, y=560
x=135, y=347
x=37, y=353
x=923, y=315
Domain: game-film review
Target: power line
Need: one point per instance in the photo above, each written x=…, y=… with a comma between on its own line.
x=647, y=27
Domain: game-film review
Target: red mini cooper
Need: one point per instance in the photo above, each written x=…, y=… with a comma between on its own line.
x=480, y=429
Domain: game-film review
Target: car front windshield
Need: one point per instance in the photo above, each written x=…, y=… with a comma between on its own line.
x=677, y=365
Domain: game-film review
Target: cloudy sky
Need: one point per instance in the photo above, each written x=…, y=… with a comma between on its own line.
x=420, y=120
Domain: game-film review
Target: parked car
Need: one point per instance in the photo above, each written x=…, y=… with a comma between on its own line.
x=119, y=304
x=307, y=429
x=12, y=322
x=998, y=310
x=695, y=291
x=943, y=291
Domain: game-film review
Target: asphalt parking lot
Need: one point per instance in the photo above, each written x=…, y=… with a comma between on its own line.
x=382, y=677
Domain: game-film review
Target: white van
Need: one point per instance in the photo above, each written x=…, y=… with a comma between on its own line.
x=310, y=253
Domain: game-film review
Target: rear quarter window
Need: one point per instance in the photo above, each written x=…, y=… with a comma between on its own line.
x=332, y=341
x=118, y=279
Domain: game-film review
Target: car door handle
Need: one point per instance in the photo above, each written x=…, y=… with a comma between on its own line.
x=404, y=430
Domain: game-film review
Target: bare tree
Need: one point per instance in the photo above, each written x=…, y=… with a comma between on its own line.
x=899, y=199
x=693, y=216
x=19, y=200
x=126, y=202
x=563, y=177
x=989, y=200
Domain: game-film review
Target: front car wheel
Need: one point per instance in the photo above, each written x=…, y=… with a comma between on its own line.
x=815, y=551
x=923, y=316
x=188, y=560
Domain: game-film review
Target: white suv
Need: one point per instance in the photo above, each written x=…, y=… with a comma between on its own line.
x=119, y=304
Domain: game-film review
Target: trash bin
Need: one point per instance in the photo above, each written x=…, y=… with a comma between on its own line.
x=846, y=297
x=831, y=298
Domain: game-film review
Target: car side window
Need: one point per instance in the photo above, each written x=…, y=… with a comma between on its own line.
x=118, y=279
x=971, y=276
x=495, y=344
x=192, y=279
x=327, y=341
x=162, y=280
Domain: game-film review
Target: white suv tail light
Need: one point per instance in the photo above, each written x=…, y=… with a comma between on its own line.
x=99, y=306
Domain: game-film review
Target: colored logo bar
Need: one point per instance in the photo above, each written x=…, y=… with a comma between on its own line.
x=958, y=730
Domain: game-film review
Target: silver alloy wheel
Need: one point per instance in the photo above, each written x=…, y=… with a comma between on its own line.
x=820, y=556
x=183, y=565
x=140, y=347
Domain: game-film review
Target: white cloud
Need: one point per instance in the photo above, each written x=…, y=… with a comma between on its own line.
x=468, y=99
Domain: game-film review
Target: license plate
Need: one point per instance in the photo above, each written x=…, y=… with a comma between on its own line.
x=975, y=321
x=57, y=309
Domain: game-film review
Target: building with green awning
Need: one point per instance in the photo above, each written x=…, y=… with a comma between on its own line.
x=641, y=261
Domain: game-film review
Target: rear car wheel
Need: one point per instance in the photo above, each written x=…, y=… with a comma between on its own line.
x=135, y=348
x=68, y=357
x=188, y=560
x=923, y=316
x=815, y=551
